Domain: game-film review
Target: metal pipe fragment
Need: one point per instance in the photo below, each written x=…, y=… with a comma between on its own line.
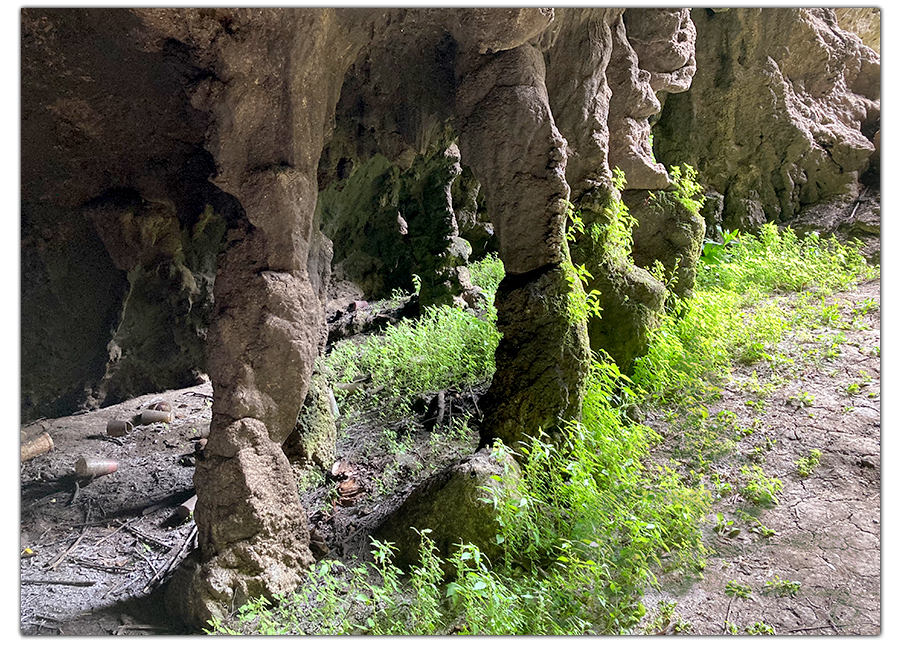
x=186, y=508
x=155, y=416
x=116, y=428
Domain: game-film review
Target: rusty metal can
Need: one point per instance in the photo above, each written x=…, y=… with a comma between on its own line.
x=89, y=468
x=117, y=428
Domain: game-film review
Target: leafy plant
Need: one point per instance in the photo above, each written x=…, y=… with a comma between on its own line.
x=806, y=465
x=738, y=590
x=803, y=398
x=782, y=588
x=725, y=528
x=759, y=488
x=760, y=629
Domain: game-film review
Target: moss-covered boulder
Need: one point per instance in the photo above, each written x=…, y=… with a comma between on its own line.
x=457, y=505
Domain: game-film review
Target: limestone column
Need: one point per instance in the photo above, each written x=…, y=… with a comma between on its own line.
x=276, y=88
x=508, y=137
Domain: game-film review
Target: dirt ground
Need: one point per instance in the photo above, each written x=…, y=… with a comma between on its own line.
x=94, y=557
x=826, y=527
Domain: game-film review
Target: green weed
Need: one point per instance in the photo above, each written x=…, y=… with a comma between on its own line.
x=760, y=629
x=782, y=588
x=806, y=465
x=759, y=488
x=738, y=590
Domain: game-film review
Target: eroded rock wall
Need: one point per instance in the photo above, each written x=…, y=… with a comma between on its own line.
x=782, y=112
x=118, y=217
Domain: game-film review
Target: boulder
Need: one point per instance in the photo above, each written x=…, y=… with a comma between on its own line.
x=457, y=505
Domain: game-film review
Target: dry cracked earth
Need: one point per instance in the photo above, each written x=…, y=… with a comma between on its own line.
x=809, y=564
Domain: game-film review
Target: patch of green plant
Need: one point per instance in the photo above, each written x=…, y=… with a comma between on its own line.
x=583, y=303
x=806, y=465
x=782, y=588
x=760, y=629
x=778, y=260
x=588, y=511
x=725, y=528
x=446, y=347
x=759, y=488
x=716, y=251
x=756, y=526
x=722, y=488
x=803, y=398
x=665, y=618
x=487, y=275
x=611, y=233
x=698, y=341
x=687, y=190
x=738, y=590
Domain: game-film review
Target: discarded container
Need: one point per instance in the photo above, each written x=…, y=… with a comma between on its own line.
x=89, y=468
x=40, y=444
x=186, y=508
x=161, y=406
x=155, y=416
x=116, y=428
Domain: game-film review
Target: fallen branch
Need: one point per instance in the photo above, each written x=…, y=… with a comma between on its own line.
x=146, y=537
x=68, y=550
x=171, y=563
x=102, y=567
x=119, y=529
x=727, y=613
x=41, y=581
x=832, y=626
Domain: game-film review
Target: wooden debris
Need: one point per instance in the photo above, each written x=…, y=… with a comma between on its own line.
x=68, y=550
x=146, y=537
x=161, y=574
x=42, y=581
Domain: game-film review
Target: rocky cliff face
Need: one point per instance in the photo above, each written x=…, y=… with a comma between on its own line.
x=180, y=165
x=782, y=113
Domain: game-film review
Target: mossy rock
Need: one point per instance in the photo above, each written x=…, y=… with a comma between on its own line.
x=456, y=504
x=312, y=442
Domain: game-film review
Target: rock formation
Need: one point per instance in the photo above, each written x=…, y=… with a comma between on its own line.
x=172, y=164
x=782, y=112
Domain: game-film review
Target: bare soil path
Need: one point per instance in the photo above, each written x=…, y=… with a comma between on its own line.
x=823, y=537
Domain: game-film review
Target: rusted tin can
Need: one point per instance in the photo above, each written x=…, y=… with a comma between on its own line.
x=161, y=406
x=116, y=428
x=89, y=468
x=35, y=447
x=186, y=508
x=155, y=416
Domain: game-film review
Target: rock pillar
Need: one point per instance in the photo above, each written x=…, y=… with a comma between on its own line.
x=508, y=137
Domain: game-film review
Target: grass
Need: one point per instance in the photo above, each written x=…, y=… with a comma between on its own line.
x=445, y=347
x=593, y=520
